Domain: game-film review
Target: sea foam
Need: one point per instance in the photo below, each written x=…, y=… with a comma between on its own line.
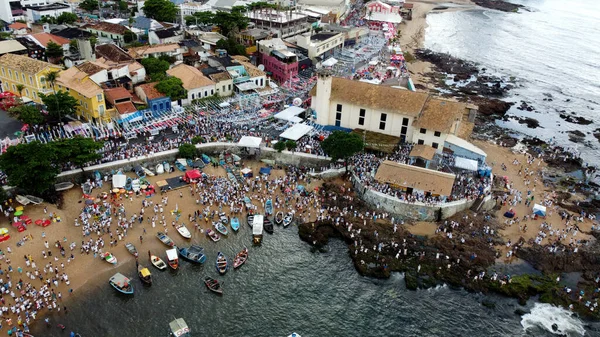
x=544, y=315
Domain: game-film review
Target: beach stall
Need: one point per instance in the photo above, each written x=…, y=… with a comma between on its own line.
x=466, y=164
x=296, y=132
x=246, y=172
x=192, y=176
x=290, y=114
x=119, y=180
x=539, y=210
x=251, y=143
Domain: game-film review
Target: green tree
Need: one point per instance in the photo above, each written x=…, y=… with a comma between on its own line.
x=204, y=18
x=290, y=145
x=49, y=19
x=172, y=87
x=66, y=17
x=160, y=10
x=28, y=114
x=342, y=145
x=78, y=150
x=89, y=5
x=54, y=51
x=188, y=151
x=123, y=6
x=59, y=104
x=279, y=146
x=129, y=36
x=30, y=166
x=230, y=23
x=155, y=66
x=20, y=88
x=232, y=46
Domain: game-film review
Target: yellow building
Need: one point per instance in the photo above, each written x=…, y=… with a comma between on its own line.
x=88, y=93
x=31, y=73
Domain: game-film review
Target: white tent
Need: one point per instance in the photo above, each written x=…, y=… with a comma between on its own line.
x=248, y=141
x=330, y=62
x=257, y=224
x=451, y=139
x=290, y=114
x=464, y=163
x=539, y=210
x=296, y=131
x=119, y=180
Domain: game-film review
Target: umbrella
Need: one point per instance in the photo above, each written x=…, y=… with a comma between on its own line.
x=38, y=222
x=122, y=190
x=115, y=190
x=3, y=231
x=144, y=187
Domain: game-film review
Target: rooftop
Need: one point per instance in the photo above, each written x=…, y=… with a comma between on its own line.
x=10, y=46
x=191, y=77
x=125, y=107
x=422, y=151
x=72, y=33
x=108, y=27
x=114, y=94
x=276, y=16
x=323, y=36
x=91, y=68
x=44, y=38
x=407, y=176
x=140, y=52
x=17, y=25
x=150, y=90
x=165, y=33
x=251, y=69
x=24, y=63
x=49, y=7
x=439, y=115
x=221, y=76
x=113, y=53
x=78, y=81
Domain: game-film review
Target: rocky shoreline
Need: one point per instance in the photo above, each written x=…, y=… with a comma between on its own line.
x=431, y=261
x=499, y=5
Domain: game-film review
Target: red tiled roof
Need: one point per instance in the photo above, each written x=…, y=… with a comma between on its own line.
x=45, y=38
x=17, y=25
x=150, y=90
x=114, y=94
x=108, y=27
x=125, y=108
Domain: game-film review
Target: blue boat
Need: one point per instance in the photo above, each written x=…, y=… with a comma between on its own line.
x=194, y=254
x=190, y=162
x=97, y=175
x=128, y=184
x=180, y=166
x=121, y=283
x=235, y=224
x=269, y=207
x=205, y=159
x=222, y=263
x=220, y=228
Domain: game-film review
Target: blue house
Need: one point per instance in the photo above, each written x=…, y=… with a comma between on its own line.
x=157, y=102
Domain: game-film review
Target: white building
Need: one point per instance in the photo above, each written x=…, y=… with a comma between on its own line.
x=320, y=46
x=281, y=23
x=12, y=10
x=412, y=116
x=197, y=85
x=337, y=7
x=36, y=13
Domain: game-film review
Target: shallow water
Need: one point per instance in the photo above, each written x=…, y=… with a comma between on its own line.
x=284, y=288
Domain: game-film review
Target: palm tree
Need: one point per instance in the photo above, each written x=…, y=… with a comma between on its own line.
x=51, y=78
x=20, y=88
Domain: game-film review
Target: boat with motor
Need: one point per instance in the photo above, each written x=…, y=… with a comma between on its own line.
x=257, y=229
x=183, y=231
x=173, y=258
x=108, y=257
x=268, y=225
x=144, y=274
x=279, y=218
x=193, y=253
x=157, y=261
x=235, y=224
x=250, y=220
x=179, y=328
x=287, y=220
x=213, y=235
x=121, y=283
x=222, y=263
x=180, y=166
x=213, y=285
x=165, y=239
x=131, y=249
x=240, y=258
x=220, y=228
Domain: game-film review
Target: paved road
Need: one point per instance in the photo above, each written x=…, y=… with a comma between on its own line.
x=8, y=125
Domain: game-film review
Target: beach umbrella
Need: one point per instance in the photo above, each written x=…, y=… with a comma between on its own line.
x=122, y=190
x=115, y=190
x=3, y=231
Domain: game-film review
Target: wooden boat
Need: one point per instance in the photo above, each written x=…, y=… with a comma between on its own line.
x=194, y=254
x=190, y=163
x=220, y=228
x=35, y=200
x=287, y=220
x=213, y=235
x=181, y=161
x=139, y=171
x=222, y=264
x=250, y=220
x=108, y=257
x=240, y=258
x=213, y=285
x=147, y=171
x=157, y=261
x=247, y=202
x=22, y=200
x=165, y=239
x=145, y=275
x=179, y=328
x=268, y=225
x=121, y=283
x=166, y=167
x=279, y=218
x=180, y=166
x=269, y=207
x=183, y=231
x=257, y=229
x=160, y=169
x=235, y=224
x=63, y=186
x=205, y=159
x=131, y=249
x=223, y=218
x=172, y=258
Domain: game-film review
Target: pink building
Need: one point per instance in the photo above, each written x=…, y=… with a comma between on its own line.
x=379, y=11
x=279, y=62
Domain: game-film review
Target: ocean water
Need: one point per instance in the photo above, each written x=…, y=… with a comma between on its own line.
x=285, y=287
x=552, y=48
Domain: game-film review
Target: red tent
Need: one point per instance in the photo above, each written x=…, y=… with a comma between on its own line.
x=192, y=175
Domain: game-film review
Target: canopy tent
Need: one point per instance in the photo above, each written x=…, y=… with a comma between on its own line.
x=265, y=170
x=296, y=131
x=246, y=172
x=192, y=175
x=539, y=210
x=249, y=141
x=290, y=114
x=464, y=163
x=330, y=62
x=119, y=180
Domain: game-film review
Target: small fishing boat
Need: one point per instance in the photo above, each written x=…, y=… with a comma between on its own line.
x=166, y=167
x=269, y=207
x=86, y=188
x=160, y=169
x=139, y=171
x=235, y=224
x=147, y=171
x=108, y=257
x=247, y=202
x=35, y=200
x=220, y=228
x=128, y=184
x=268, y=225
x=121, y=283
x=287, y=220
x=223, y=218
x=157, y=261
x=257, y=229
x=172, y=258
x=294, y=335
x=240, y=258
x=145, y=275
x=165, y=239
x=279, y=218
x=181, y=161
x=190, y=163
x=194, y=254
x=250, y=220
x=213, y=285
x=222, y=264
x=180, y=166
x=131, y=249
x=213, y=235
x=97, y=175
x=63, y=186
x=205, y=159
x=183, y=231
x=179, y=328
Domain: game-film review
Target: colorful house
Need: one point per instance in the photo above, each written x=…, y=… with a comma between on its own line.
x=31, y=73
x=156, y=101
x=88, y=94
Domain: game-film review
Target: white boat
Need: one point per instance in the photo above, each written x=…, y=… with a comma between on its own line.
x=183, y=231
x=182, y=161
x=63, y=186
x=160, y=169
x=157, y=262
x=135, y=185
x=22, y=200
x=148, y=172
x=34, y=200
x=294, y=335
x=167, y=167
x=179, y=328
x=257, y=229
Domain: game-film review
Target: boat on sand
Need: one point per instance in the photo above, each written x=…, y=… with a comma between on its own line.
x=131, y=249
x=165, y=239
x=220, y=228
x=213, y=235
x=183, y=231
x=287, y=220
x=279, y=218
x=108, y=257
